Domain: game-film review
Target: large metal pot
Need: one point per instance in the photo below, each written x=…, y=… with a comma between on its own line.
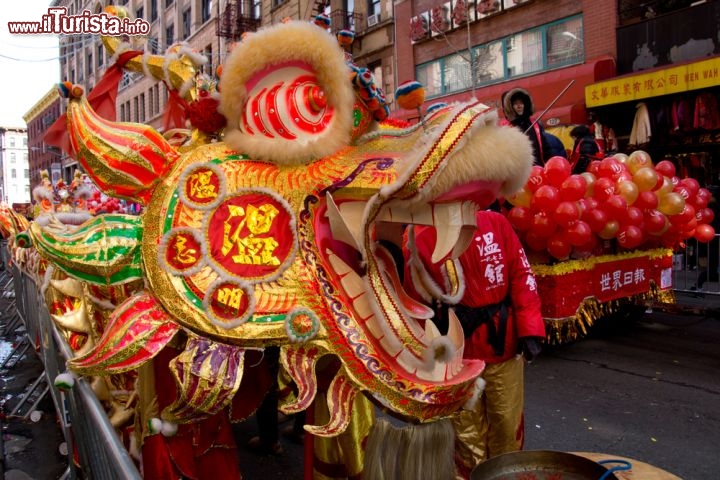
x=543, y=464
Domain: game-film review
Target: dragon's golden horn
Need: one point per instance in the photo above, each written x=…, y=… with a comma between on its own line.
x=124, y=159
x=177, y=67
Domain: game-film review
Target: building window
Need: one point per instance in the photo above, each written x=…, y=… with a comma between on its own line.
x=12, y=156
x=122, y=113
x=206, y=10
x=169, y=2
x=547, y=47
x=100, y=52
x=208, y=67
x=373, y=7
x=170, y=35
x=153, y=10
x=25, y=157
x=27, y=173
x=24, y=141
x=140, y=12
x=13, y=173
x=89, y=64
x=154, y=45
x=137, y=108
x=156, y=104
x=186, y=24
x=142, y=108
x=564, y=42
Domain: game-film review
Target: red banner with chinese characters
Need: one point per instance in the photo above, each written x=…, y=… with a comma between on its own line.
x=563, y=287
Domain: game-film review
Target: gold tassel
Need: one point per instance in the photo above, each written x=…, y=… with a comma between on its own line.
x=569, y=329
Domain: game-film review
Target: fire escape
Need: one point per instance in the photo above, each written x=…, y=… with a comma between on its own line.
x=238, y=18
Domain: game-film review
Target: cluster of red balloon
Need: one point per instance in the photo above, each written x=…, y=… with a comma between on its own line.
x=625, y=198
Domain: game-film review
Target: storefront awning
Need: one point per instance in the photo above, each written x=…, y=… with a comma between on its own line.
x=665, y=81
x=544, y=88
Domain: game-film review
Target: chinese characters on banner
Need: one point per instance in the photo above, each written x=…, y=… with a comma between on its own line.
x=678, y=79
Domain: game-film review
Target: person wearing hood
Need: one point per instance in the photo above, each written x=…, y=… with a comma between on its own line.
x=518, y=109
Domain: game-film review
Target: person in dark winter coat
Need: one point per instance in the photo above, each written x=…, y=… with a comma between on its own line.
x=556, y=148
x=518, y=109
x=585, y=149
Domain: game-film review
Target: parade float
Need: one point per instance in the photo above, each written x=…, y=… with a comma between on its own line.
x=601, y=242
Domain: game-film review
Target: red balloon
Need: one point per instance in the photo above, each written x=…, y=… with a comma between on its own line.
x=611, y=168
x=702, y=198
x=704, y=215
x=656, y=223
x=588, y=203
x=666, y=168
x=557, y=170
x=682, y=190
x=704, y=233
x=682, y=218
x=635, y=217
x=646, y=201
x=579, y=233
x=545, y=199
x=543, y=225
x=692, y=185
x=537, y=178
x=521, y=218
x=603, y=189
x=593, y=167
x=558, y=247
x=595, y=218
x=573, y=188
x=587, y=249
x=535, y=242
x=630, y=236
x=566, y=213
x=616, y=207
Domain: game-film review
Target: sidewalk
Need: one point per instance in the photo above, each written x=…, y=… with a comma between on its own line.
x=31, y=439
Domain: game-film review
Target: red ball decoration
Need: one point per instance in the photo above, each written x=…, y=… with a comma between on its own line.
x=579, y=233
x=566, y=213
x=558, y=247
x=656, y=223
x=537, y=178
x=704, y=233
x=543, y=225
x=630, y=236
x=573, y=188
x=557, y=170
x=545, y=199
x=646, y=201
x=521, y=218
x=596, y=219
x=603, y=189
x=665, y=168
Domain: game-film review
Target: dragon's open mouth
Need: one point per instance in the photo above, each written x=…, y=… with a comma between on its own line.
x=396, y=325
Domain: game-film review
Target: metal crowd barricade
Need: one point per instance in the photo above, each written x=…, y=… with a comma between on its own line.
x=696, y=268
x=85, y=425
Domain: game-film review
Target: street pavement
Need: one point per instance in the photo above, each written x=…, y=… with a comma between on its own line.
x=646, y=389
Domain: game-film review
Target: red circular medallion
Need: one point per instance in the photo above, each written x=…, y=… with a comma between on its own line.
x=251, y=236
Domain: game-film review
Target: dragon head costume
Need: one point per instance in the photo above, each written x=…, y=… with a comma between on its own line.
x=279, y=231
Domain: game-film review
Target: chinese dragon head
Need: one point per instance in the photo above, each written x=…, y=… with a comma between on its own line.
x=281, y=231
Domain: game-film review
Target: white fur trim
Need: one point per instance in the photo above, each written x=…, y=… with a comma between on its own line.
x=478, y=389
x=295, y=41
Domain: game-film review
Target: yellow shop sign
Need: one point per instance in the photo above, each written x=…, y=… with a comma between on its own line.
x=667, y=81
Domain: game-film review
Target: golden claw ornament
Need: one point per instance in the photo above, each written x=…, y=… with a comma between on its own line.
x=283, y=233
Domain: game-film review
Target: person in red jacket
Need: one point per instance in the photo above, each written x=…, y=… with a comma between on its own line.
x=494, y=295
